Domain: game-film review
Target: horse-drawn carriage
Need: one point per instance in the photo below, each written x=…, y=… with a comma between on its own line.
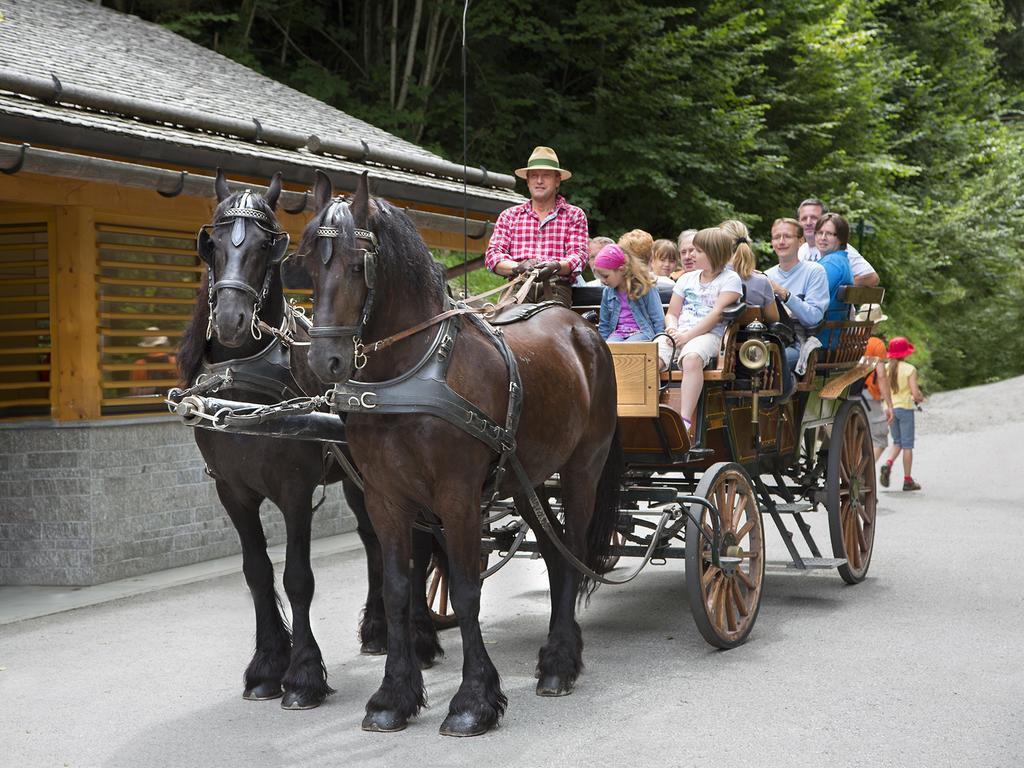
x=450, y=410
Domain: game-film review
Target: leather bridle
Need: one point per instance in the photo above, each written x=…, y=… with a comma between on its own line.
x=237, y=216
x=326, y=234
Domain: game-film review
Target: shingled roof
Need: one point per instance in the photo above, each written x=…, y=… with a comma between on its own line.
x=89, y=48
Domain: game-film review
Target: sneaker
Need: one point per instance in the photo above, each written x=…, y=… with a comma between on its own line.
x=883, y=475
x=911, y=485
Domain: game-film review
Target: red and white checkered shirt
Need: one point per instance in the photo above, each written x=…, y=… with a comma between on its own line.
x=519, y=234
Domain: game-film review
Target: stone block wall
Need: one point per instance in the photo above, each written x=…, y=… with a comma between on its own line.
x=90, y=502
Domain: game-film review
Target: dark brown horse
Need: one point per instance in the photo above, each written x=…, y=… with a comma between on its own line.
x=243, y=249
x=415, y=461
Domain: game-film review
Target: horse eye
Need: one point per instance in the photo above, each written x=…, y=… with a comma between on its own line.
x=357, y=268
x=265, y=244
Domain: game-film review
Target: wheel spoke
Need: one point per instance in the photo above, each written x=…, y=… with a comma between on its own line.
x=712, y=598
x=720, y=506
x=863, y=512
x=746, y=580
x=742, y=532
x=709, y=573
x=730, y=503
x=728, y=606
x=741, y=602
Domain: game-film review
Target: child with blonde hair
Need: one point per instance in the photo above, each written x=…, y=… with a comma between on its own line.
x=639, y=244
x=664, y=261
x=758, y=290
x=694, y=321
x=630, y=304
x=906, y=395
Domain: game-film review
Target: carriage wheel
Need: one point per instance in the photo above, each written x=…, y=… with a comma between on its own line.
x=851, y=492
x=610, y=561
x=441, y=611
x=725, y=600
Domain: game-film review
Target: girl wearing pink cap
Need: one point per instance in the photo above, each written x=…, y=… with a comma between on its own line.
x=630, y=305
x=905, y=395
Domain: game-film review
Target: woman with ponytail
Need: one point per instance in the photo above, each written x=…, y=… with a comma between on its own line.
x=757, y=289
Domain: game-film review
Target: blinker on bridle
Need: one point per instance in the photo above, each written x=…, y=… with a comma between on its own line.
x=326, y=248
x=237, y=217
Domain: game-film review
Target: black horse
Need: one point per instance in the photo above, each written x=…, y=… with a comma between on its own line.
x=243, y=249
x=374, y=277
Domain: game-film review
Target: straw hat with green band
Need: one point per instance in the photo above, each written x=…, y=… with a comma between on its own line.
x=543, y=159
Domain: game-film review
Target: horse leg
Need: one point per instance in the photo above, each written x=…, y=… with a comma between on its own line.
x=560, y=659
x=305, y=681
x=401, y=694
x=373, y=629
x=424, y=633
x=479, y=703
x=273, y=644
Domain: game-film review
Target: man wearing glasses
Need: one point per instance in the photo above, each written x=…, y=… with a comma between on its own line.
x=802, y=286
x=808, y=213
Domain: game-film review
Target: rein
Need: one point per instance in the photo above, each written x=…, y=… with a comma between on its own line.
x=487, y=311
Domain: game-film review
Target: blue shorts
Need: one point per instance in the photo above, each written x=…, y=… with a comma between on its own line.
x=902, y=427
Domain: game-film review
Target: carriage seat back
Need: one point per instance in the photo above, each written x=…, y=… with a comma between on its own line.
x=848, y=338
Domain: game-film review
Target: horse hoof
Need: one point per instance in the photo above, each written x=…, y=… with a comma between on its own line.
x=300, y=700
x=463, y=724
x=552, y=685
x=263, y=692
x=383, y=722
x=373, y=648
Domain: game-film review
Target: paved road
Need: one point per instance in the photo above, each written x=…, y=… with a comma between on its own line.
x=918, y=666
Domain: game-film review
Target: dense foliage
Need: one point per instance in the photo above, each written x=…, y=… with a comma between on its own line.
x=904, y=115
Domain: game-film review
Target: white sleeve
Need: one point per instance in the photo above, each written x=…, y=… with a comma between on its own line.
x=858, y=264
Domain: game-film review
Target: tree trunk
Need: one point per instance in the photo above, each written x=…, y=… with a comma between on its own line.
x=410, y=55
x=394, y=52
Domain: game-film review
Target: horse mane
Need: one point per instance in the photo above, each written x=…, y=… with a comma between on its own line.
x=404, y=255
x=192, y=348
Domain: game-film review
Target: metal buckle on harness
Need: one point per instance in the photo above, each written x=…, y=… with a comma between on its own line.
x=445, y=348
x=358, y=353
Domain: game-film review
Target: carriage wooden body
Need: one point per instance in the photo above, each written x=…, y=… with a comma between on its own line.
x=752, y=455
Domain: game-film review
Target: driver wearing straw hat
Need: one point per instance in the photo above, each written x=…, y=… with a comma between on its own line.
x=545, y=232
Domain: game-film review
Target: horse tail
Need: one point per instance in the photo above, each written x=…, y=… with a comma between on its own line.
x=606, y=512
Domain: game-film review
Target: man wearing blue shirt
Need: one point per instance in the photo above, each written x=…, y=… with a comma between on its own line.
x=801, y=285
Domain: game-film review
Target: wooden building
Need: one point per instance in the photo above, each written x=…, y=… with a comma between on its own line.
x=111, y=129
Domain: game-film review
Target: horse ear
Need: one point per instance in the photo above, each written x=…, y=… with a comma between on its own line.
x=361, y=200
x=273, y=191
x=221, y=185
x=323, y=191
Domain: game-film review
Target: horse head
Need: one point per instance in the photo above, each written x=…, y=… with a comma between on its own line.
x=340, y=255
x=241, y=247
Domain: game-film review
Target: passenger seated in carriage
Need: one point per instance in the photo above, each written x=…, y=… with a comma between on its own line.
x=630, y=304
x=757, y=291
x=802, y=287
x=831, y=234
x=694, y=321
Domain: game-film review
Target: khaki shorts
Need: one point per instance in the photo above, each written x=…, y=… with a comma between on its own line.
x=707, y=346
x=876, y=419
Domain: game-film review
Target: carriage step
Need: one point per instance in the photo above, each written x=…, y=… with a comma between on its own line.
x=660, y=494
x=797, y=508
x=819, y=562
